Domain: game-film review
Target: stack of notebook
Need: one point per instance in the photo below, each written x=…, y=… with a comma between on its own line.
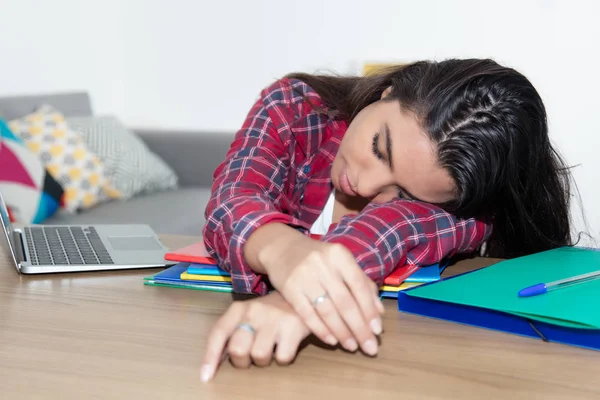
x=195, y=269
x=193, y=276
x=410, y=276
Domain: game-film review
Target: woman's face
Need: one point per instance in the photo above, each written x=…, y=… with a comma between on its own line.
x=385, y=153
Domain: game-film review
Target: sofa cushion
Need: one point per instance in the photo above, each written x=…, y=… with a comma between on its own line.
x=66, y=157
x=179, y=211
x=131, y=167
x=30, y=193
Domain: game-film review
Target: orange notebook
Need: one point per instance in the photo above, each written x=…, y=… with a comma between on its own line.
x=195, y=253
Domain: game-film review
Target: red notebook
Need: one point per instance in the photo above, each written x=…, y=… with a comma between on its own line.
x=400, y=275
x=195, y=253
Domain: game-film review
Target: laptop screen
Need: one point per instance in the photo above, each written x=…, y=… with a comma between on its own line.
x=7, y=227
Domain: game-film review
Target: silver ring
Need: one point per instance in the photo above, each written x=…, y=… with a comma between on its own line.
x=247, y=327
x=320, y=299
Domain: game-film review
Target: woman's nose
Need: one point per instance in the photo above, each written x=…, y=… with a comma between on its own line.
x=372, y=185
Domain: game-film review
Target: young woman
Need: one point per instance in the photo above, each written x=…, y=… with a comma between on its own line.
x=413, y=165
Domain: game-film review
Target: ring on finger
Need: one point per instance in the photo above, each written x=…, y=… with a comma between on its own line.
x=246, y=327
x=318, y=300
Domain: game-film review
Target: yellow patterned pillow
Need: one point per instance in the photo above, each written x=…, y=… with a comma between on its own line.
x=66, y=157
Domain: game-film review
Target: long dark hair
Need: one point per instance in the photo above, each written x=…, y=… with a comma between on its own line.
x=489, y=124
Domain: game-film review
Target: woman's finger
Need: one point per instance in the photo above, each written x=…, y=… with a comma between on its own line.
x=375, y=289
x=217, y=339
x=346, y=305
x=240, y=344
x=264, y=342
x=288, y=341
x=306, y=311
x=330, y=315
x=378, y=303
x=362, y=291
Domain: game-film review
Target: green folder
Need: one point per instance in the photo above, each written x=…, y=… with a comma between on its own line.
x=496, y=288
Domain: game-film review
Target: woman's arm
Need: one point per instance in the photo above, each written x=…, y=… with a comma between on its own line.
x=251, y=235
x=248, y=190
x=386, y=236
x=265, y=240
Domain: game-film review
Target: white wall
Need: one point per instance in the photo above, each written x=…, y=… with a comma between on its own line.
x=192, y=64
x=64, y=45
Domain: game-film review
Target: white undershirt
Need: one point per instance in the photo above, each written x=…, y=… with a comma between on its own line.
x=321, y=225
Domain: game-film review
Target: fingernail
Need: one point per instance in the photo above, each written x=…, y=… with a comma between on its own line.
x=351, y=345
x=370, y=347
x=331, y=340
x=206, y=373
x=376, y=326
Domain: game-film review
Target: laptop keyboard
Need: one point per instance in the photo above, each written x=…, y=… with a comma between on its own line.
x=64, y=245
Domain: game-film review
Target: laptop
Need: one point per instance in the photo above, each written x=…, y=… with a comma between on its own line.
x=40, y=249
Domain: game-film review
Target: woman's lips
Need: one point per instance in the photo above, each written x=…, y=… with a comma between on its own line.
x=345, y=184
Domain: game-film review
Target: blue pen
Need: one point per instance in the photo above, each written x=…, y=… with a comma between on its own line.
x=542, y=288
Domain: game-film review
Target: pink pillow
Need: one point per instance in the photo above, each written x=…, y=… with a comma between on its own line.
x=30, y=192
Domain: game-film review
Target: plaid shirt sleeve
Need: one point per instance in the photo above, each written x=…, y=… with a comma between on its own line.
x=248, y=186
x=385, y=236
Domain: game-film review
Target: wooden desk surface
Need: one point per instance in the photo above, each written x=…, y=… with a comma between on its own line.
x=106, y=335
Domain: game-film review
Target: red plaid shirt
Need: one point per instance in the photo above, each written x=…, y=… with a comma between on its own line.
x=278, y=170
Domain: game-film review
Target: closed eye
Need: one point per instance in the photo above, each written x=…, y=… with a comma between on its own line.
x=375, y=149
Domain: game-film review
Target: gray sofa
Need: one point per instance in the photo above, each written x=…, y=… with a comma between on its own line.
x=192, y=155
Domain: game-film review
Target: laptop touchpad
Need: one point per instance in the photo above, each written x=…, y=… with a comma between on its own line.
x=136, y=243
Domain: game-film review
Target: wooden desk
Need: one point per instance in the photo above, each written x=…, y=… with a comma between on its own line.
x=106, y=335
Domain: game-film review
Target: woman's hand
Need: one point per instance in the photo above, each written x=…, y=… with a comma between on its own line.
x=250, y=329
x=328, y=289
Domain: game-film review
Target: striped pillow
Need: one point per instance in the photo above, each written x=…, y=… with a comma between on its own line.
x=131, y=167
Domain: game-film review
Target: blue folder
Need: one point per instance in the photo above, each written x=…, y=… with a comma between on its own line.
x=496, y=320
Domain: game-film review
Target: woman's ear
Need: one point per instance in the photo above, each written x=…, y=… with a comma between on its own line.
x=386, y=92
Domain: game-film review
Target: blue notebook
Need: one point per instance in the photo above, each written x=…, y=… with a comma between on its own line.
x=428, y=273
x=487, y=298
x=206, y=269
x=173, y=275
